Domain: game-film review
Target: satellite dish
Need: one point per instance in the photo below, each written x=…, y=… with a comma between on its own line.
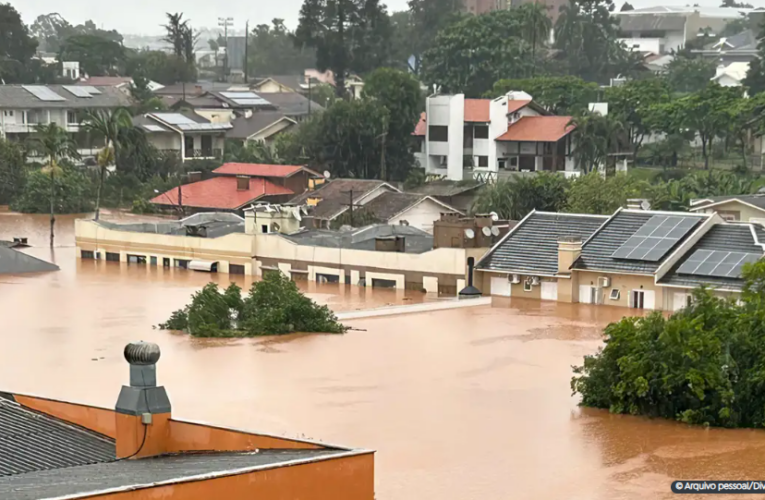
x=486, y=231
x=469, y=234
x=304, y=210
x=327, y=174
x=297, y=215
x=276, y=227
x=495, y=231
x=494, y=216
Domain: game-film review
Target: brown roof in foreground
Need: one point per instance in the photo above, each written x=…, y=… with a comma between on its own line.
x=388, y=205
x=244, y=128
x=335, y=195
x=538, y=129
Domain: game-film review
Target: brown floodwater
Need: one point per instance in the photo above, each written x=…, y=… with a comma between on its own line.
x=460, y=404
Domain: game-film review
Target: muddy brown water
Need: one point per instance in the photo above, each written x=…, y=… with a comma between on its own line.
x=463, y=404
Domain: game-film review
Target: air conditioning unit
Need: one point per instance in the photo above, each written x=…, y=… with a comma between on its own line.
x=535, y=280
x=604, y=282
x=514, y=278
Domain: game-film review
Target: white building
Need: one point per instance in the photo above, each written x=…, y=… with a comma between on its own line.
x=463, y=138
x=731, y=75
x=187, y=135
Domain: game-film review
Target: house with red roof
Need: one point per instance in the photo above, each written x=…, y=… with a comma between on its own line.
x=463, y=138
x=235, y=186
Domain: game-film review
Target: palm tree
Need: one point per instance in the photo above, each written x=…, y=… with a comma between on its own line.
x=536, y=27
x=109, y=125
x=596, y=136
x=54, y=143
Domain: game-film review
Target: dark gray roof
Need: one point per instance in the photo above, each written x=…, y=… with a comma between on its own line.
x=335, y=196
x=141, y=121
x=16, y=97
x=388, y=205
x=597, y=251
x=725, y=237
x=741, y=40
x=32, y=442
x=446, y=188
x=86, y=480
x=15, y=262
x=415, y=240
x=231, y=104
x=246, y=127
x=216, y=224
x=758, y=200
x=532, y=246
x=651, y=22
x=291, y=103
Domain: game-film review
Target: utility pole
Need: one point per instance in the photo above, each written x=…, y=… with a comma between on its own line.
x=246, y=50
x=350, y=205
x=309, y=94
x=180, y=190
x=225, y=22
x=383, y=165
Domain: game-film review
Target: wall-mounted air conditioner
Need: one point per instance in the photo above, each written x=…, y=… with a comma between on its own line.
x=535, y=280
x=604, y=282
x=514, y=278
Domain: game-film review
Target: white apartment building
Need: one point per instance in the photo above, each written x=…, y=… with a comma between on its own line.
x=23, y=107
x=477, y=138
x=187, y=135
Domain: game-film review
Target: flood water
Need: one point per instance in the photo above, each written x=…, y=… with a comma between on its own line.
x=463, y=404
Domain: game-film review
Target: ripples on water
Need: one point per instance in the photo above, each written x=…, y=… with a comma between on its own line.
x=463, y=404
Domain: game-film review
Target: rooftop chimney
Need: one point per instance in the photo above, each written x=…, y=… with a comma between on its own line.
x=569, y=249
x=143, y=408
x=195, y=177
x=638, y=204
x=242, y=183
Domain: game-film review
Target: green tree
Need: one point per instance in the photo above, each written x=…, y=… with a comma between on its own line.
x=428, y=18
x=596, y=137
x=631, y=102
x=561, y=95
x=689, y=74
x=273, y=51
x=16, y=45
x=109, y=125
x=55, y=144
x=594, y=194
x=348, y=36
x=536, y=27
x=71, y=190
x=399, y=93
x=51, y=30
x=182, y=38
x=586, y=36
x=755, y=76
x=155, y=65
x=13, y=171
x=402, y=33
x=97, y=56
x=515, y=197
x=472, y=53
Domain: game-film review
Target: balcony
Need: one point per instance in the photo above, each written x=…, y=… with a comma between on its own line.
x=29, y=128
x=195, y=154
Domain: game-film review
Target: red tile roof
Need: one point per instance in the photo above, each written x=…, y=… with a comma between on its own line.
x=513, y=106
x=422, y=126
x=477, y=110
x=220, y=193
x=539, y=129
x=257, y=169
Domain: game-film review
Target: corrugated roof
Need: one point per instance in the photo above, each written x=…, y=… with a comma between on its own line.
x=258, y=169
x=725, y=237
x=128, y=475
x=335, y=195
x=221, y=193
x=652, y=22
x=596, y=254
x=532, y=246
x=16, y=97
x=14, y=262
x=31, y=441
x=538, y=128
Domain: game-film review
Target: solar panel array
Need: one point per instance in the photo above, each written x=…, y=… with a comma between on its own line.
x=91, y=90
x=245, y=98
x=717, y=263
x=43, y=93
x=154, y=128
x=655, y=238
x=204, y=126
x=174, y=118
x=78, y=91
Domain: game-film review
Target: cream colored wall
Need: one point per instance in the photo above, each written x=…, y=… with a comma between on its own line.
x=273, y=87
x=269, y=133
x=747, y=212
x=625, y=283
x=216, y=115
x=165, y=140
x=421, y=215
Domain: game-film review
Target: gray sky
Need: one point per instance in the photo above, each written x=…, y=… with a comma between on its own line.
x=145, y=16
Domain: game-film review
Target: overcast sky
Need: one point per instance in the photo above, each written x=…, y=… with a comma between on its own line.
x=146, y=16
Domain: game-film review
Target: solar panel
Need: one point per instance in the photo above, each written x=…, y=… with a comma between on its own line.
x=252, y=102
x=655, y=238
x=240, y=95
x=77, y=91
x=174, y=118
x=204, y=126
x=43, y=93
x=717, y=263
x=91, y=90
x=153, y=128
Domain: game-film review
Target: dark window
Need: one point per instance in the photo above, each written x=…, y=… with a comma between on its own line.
x=327, y=278
x=136, y=259
x=188, y=146
x=378, y=283
x=481, y=132
x=182, y=263
x=165, y=262
x=207, y=146
x=483, y=161
x=153, y=261
x=263, y=228
x=235, y=269
x=86, y=254
x=112, y=257
x=438, y=133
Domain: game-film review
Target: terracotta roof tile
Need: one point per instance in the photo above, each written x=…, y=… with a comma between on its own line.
x=421, y=128
x=477, y=110
x=538, y=128
x=257, y=169
x=221, y=193
x=513, y=106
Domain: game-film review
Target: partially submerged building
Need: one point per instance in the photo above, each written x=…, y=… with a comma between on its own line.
x=138, y=450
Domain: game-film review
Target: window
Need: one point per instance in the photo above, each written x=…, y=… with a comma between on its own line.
x=235, y=269
x=264, y=228
x=483, y=161
x=24, y=117
x=527, y=285
x=481, y=132
x=71, y=118
x=182, y=263
x=381, y=283
x=136, y=259
x=438, y=133
x=638, y=299
x=165, y=262
x=86, y=254
x=8, y=113
x=615, y=294
x=153, y=261
x=112, y=257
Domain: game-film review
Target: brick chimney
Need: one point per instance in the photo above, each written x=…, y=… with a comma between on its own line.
x=242, y=183
x=143, y=408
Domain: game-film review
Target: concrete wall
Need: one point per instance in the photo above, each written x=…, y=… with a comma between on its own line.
x=625, y=283
x=422, y=215
x=744, y=212
x=166, y=140
x=273, y=87
x=270, y=132
x=216, y=115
